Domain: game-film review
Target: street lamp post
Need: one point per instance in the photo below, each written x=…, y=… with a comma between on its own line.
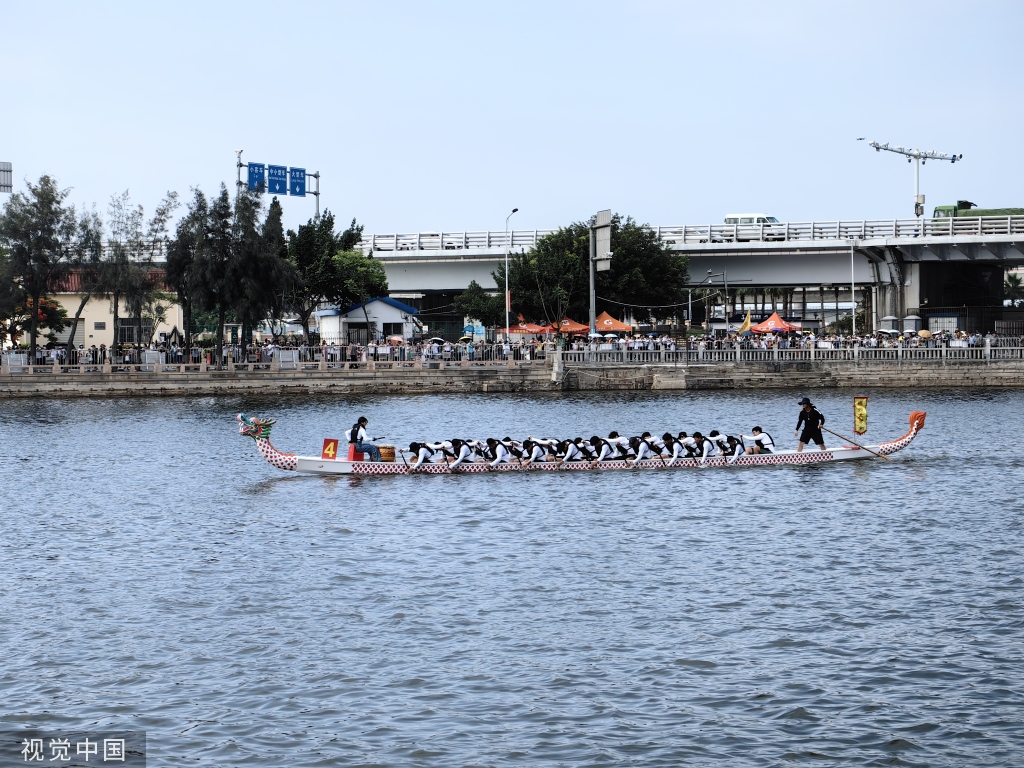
x=918, y=157
x=508, y=290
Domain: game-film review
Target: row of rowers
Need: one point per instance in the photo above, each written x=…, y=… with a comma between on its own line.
x=669, y=449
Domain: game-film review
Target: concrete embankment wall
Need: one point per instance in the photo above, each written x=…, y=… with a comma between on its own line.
x=840, y=375
x=526, y=378
x=519, y=379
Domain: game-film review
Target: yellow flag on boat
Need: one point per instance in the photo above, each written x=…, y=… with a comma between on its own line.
x=746, y=324
x=860, y=415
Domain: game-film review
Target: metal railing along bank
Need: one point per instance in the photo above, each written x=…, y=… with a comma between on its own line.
x=278, y=359
x=344, y=359
x=716, y=233
x=739, y=355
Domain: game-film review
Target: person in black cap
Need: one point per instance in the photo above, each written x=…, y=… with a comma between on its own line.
x=811, y=421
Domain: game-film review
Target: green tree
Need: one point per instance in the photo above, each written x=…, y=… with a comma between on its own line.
x=211, y=266
x=87, y=270
x=349, y=239
x=128, y=273
x=362, y=278
x=44, y=237
x=1013, y=289
x=257, y=273
x=311, y=253
x=476, y=303
x=552, y=281
x=183, y=250
x=9, y=292
x=645, y=276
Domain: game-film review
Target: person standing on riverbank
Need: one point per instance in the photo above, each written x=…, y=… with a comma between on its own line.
x=811, y=421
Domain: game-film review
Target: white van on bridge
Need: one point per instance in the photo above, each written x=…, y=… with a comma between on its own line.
x=755, y=226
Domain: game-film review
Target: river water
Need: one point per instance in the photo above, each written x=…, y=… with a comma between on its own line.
x=156, y=574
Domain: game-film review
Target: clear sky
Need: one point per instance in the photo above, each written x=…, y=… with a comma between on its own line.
x=446, y=115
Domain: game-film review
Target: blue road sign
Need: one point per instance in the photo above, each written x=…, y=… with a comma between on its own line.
x=297, y=186
x=257, y=177
x=278, y=179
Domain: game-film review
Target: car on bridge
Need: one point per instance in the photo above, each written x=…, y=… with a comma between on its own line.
x=753, y=226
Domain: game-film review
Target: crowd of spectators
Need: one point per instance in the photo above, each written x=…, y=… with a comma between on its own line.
x=525, y=348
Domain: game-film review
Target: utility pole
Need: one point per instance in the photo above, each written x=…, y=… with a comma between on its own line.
x=508, y=287
x=918, y=157
x=239, y=165
x=600, y=256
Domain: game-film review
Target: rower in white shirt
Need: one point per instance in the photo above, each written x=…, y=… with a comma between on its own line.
x=619, y=443
x=568, y=450
x=422, y=452
x=644, y=448
x=702, y=447
x=497, y=452
x=603, y=449
x=535, y=450
x=463, y=452
x=762, y=441
x=674, y=446
x=720, y=442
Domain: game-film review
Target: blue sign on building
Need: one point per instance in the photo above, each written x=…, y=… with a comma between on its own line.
x=297, y=186
x=278, y=179
x=257, y=177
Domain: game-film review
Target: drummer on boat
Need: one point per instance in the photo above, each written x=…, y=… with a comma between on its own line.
x=356, y=436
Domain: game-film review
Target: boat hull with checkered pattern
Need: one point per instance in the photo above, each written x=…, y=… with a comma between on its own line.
x=259, y=430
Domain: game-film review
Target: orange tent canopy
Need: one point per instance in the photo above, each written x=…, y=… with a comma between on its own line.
x=774, y=324
x=569, y=326
x=608, y=324
x=524, y=327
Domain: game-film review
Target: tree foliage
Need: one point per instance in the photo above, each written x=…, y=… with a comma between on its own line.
x=328, y=270
x=311, y=253
x=43, y=237
x=477, y=304
x=361, y=278
x=1013, y=289
x=183, y=251
x=128, y=273
x=551, y=280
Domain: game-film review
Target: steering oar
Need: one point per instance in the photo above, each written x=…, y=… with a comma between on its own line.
x=863, y=447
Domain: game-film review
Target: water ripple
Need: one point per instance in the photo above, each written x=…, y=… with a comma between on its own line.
x=156, y=574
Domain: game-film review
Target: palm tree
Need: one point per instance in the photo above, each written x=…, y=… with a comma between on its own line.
x=1013, y=289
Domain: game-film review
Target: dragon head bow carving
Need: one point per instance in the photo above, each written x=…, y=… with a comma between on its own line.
x=255, y=427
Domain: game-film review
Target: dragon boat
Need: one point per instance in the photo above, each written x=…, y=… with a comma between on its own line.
x=259, y=430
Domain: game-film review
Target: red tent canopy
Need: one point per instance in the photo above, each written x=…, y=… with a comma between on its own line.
x=569, y=326
x=608, y=324
x=774, y=324
x=524, y=327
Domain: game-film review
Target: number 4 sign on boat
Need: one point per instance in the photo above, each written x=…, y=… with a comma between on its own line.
x=330, y=450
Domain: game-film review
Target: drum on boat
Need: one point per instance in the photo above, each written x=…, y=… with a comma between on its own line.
x=387, y=452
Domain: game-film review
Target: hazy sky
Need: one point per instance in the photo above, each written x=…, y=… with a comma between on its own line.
x=446, y=115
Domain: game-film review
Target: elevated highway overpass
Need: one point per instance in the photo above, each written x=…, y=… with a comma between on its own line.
x=898, y=265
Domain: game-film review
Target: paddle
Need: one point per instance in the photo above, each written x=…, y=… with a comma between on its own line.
x=880, y=455
x=663, y=463
x=401, y=452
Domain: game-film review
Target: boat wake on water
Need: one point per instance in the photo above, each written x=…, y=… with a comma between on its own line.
x=479, y=457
